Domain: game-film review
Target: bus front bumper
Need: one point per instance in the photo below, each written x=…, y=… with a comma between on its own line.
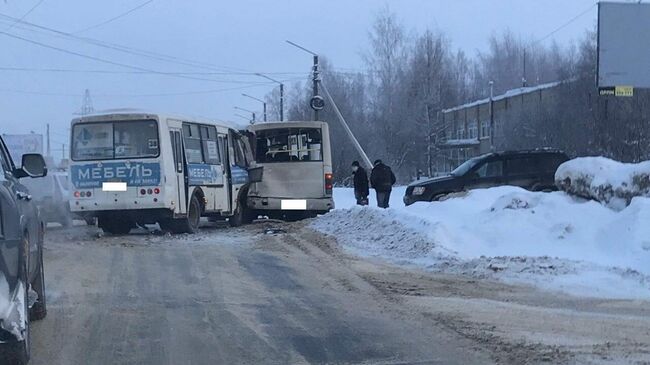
x=310, y=204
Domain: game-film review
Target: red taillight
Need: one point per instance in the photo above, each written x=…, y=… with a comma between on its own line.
x=77, y=194
x=156, y=191
x=328, y=183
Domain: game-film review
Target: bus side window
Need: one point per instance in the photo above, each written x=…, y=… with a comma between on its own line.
x=193, y=149
x=223, y=145
x=210, y=145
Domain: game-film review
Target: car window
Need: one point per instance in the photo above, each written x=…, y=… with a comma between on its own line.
x=491, y=169
x=522, y=165
x=551, y=163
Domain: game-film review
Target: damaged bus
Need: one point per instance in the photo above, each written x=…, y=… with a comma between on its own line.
x=297, y=162
x=133, y=168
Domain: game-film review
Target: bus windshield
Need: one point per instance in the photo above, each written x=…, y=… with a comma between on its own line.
x=289, y=145
x=115, y=140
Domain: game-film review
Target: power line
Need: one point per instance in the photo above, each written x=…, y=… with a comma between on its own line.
x=98, y=59
x=124, y=49
x=115, y=17
x=563, y=25
x=215, y=73
x=25, y=15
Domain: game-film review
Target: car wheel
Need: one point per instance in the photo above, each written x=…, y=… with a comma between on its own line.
x=39, y=309
x=17, y=352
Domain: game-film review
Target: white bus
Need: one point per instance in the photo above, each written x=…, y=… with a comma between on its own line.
x=132, y=168
x=297, y=163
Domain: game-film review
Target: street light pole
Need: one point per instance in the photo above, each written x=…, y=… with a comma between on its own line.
x=260, y=100
x=247, y=111
x=281, y=94
x=315, y=73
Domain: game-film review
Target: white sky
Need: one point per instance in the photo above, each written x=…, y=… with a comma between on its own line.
x=243, y=35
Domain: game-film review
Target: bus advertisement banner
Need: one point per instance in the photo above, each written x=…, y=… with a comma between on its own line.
x=203, y=174
x=92, y=175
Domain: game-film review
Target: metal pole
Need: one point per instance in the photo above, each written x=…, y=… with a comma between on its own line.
x=48, y=140
x=265, y=111
x=356, y=144
x=282, y=102
x=315, y=81
x=491, y=115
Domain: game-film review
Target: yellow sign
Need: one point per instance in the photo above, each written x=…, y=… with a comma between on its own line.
x=624, y=91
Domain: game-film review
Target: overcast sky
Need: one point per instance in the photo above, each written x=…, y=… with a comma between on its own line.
x=233, y=36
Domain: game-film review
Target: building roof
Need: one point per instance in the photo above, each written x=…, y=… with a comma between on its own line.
x=508, y=94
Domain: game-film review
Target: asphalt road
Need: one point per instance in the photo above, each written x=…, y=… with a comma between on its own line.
x=225, y=296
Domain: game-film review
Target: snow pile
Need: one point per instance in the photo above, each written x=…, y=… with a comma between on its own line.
x=612, y=183
x=551, y=240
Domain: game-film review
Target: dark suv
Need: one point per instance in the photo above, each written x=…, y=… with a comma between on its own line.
x=532, y=170
x=22, y=283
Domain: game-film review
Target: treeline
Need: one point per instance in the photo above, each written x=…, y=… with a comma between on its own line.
x=392, y=105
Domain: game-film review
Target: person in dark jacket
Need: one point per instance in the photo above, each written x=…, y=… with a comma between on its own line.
x=361, y=190
x=382, y=180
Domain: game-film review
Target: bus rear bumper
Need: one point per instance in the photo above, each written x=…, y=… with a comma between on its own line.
x=311, y=204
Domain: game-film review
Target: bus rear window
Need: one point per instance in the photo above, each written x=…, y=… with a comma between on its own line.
x=289, y=145
x=115, y=140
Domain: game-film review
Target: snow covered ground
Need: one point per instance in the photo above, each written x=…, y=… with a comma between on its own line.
x=551, y=240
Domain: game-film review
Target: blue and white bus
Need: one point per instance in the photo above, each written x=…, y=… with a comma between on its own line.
x=132, y=168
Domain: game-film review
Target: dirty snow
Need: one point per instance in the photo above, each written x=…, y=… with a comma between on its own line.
x=16, y=326
x=611, y=182
x=550, y=240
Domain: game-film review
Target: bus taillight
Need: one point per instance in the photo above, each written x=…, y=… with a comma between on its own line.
x=156, y=191
x=328, y=183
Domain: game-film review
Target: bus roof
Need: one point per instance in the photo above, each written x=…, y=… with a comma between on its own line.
x=127, y=113
x=289, y=124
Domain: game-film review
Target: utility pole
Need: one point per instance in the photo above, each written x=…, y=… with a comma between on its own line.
x=63, y=152
x=252, y=121
x=260, y=100
x=491, y=115
x=317, y=102
x=87, y=104
x=48, y=140
x=281, y=94
x=524, y=82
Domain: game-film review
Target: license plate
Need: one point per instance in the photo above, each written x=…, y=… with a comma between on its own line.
x=293, y=204
x=114, y=186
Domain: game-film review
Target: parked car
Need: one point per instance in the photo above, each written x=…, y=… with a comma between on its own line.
x=51, y=195
x=22, y=281
x=533, y=170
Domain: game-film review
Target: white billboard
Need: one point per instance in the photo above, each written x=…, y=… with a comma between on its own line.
x=19, y=144
x=623, y=44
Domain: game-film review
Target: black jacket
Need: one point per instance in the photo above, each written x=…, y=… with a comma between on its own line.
x=382, y=178
x=361, y=181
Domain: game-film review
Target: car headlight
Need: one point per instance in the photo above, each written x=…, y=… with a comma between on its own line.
x=418, y=190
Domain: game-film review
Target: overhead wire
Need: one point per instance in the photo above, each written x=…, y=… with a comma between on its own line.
x=24, y=15
x=119, y=16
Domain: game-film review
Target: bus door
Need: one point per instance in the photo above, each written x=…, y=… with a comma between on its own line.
x=225, y=164
x=179, y=169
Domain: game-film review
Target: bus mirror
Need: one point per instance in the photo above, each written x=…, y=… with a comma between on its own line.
x=255, y=174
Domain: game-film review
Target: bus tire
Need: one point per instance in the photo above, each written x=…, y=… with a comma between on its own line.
x=189, y=224
x=243, y=215
x=115, y=226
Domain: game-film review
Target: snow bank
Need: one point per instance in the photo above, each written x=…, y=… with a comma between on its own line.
x=607, y=181
x=551, y=240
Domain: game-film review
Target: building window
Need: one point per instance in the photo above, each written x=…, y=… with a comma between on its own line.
x=460, y=132
x=485, y=129
x=473, y=130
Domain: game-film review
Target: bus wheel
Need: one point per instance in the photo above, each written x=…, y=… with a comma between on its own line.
x=243, y=215
x=115, y=226
x=189, y=224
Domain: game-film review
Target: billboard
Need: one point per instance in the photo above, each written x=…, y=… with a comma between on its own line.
x=623, y=46
x=19, y=144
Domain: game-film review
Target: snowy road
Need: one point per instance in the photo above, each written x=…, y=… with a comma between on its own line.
x=225, y=296
x=250, y=296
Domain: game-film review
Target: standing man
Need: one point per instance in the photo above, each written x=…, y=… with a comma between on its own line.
x=382, y=180
x=361, y=190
